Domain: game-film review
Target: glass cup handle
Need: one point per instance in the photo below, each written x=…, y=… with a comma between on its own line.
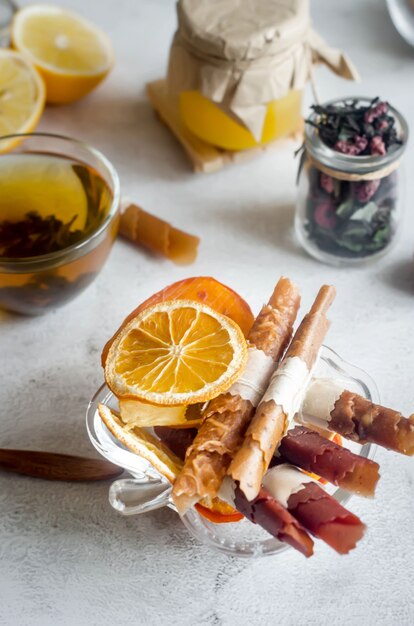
x=132, y=497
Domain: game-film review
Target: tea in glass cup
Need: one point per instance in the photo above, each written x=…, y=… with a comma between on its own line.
x=58, y=219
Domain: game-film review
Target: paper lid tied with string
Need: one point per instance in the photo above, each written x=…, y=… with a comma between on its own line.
x=243, y=54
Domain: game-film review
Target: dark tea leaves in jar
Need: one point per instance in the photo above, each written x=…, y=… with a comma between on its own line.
x=355, y=218
x=348, y=207
x=354, y=128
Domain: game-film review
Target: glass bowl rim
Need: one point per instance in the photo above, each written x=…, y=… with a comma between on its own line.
x=21, y=262
x=191, y=520
x=344, y=162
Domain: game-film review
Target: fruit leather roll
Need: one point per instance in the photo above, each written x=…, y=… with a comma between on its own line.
x=176, y=439
x=311, y=452
x=145, y=229
x=282, y=398
x=317, y=511
x=356, y=418
x=264, y=511
x=227, y=416
x=268, y=513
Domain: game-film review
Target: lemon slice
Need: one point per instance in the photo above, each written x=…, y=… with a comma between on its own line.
x=173, y=353
x=22, y=97
x=70, y=53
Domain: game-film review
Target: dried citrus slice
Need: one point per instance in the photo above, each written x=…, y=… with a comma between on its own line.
x=142, y=443
x=201, y=289
x=70, y=53
x=22, y=97
x=173, y=353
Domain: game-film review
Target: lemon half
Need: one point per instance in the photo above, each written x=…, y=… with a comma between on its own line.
x=22, y=97
x=70, y=53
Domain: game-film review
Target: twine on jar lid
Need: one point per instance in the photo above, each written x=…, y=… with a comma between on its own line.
x=242, y=54
x=374, y=174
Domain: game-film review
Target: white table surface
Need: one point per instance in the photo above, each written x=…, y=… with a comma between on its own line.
x=66, y=558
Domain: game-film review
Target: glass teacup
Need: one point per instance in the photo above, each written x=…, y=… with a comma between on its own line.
x=65, y=225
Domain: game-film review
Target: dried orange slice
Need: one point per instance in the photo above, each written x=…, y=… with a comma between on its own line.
x=142, y=443
x=219, y=512
x=173, y=353
x=202, y=289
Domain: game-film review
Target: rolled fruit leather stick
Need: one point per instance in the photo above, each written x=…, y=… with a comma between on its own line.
x=329, y=404
x=264, y=511
x=157, y=235
x=267, y=512
x=317, y=511
x=282, y=398
x=311, y=452
x=270, y=509
x=227, y=416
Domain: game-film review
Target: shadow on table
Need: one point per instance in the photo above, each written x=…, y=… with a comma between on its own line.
x=271, y=224
x=65, y=512
x=77, y=510
x=48, y=411
x=400, y=276
x=128, y=132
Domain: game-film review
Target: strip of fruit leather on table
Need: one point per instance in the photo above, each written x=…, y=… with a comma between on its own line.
x=227, y=416
x=157, y=235
x=282, y=399
x=328, y=404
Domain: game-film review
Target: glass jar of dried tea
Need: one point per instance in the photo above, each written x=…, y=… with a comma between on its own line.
x=237, y=69
x=348, y=207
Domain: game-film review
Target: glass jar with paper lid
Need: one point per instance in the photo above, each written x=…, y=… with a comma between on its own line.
x=237, y=69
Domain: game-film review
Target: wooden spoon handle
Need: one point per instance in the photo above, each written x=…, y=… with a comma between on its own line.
x=53, y=466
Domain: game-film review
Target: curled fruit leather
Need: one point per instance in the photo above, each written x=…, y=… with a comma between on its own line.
x=145, y=229
x=176, y=439
x=325, y=518
x=282, y=398
x=227, y=416
x=360, y=420
x=264, y=511
x=311, y=452
x=268, y=513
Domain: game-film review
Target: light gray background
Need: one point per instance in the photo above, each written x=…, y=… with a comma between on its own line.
x=65, y=557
